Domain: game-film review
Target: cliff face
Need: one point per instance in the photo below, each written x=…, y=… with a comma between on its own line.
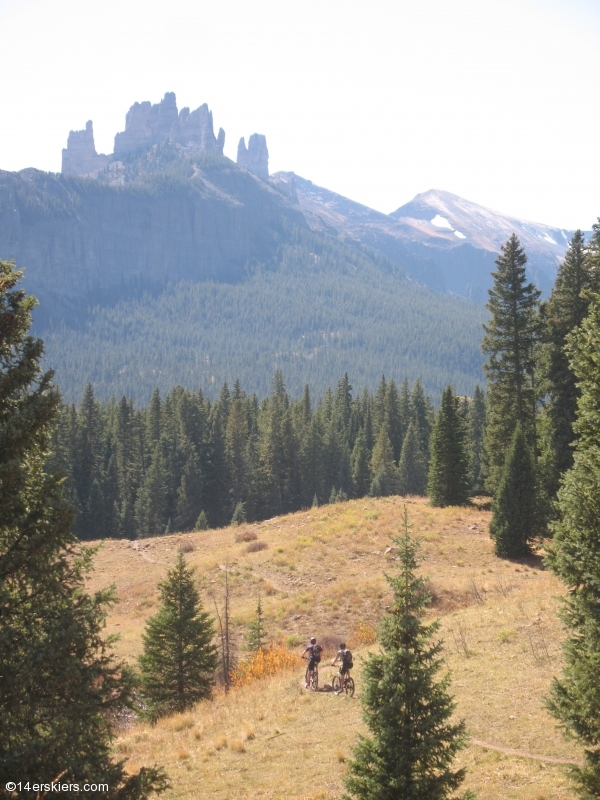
x=146, y=125
x=84, y=242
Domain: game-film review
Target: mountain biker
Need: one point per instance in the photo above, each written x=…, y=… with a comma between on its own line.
x=345, y=656
x=314, y=651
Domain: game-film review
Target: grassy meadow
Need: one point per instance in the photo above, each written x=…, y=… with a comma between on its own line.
x=320, y=572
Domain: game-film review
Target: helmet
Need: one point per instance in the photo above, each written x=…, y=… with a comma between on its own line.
x=342, y=645
x=313, y=640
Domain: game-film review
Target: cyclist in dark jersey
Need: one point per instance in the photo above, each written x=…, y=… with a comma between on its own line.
x=345, y=656
x=314, y=651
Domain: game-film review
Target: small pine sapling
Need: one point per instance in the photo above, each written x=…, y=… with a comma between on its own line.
x=256, y=636
x=179, y=660
x=412, y=742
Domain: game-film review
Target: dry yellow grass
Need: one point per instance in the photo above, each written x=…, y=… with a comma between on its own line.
x=322, y=573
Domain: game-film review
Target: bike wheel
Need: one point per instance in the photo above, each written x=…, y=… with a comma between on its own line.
x=335, y=683
x=307, y=678
x=314, y=684
x=349, y=687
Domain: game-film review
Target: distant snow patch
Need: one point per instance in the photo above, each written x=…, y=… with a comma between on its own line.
x=460, y=235
x=441, y=222
x=549, y=239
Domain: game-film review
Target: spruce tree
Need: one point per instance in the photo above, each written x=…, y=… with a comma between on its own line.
x=412, y=471
x=412, y=742
x=515, y=520
x=423, y=416
x=510, y=342
x=151, y=504
x=385, y=474
x=565, y=310
x=236, y=437
x=361, y=472
x=575, y=558
x=59, y=682
x=189, y=492
x=239, y=514
x=476, y=422
x=179, y=659
x=448, y=483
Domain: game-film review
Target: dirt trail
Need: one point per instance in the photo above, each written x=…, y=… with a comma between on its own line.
x=509, y=751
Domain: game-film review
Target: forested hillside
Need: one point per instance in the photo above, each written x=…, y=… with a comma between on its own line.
x=318, y=309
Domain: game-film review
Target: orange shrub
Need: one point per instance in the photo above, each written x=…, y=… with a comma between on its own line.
x=264, y=663
x=364, y=635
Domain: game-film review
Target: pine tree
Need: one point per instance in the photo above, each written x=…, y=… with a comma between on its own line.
x=59, y=682
x=423, y=416
x=236, y=438
x=476, y=422
x=202, y=522
x=128, y=466
x=385, y=474
x=361, y=472
x=566, y=309
x=510, y=343
x=239, y=514
x=448, y=483
x=216, y=499
x=153, y=422
x=310, y=460
x=515, y=520
x=413, y=743
x=575, y=558
x=343, y=407
x=412, y=472
x=394, y=424
x=179, y=659
x=151, y=505
x=279, y=446
x=189, y=492
x=256, y=636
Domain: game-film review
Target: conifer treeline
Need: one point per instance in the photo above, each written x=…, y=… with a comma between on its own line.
x=184, y=462
x=532, y=391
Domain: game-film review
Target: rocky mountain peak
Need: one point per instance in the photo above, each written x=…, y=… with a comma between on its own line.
x=255, y=157
x=146, y=124
x=445, y=217
x=80, y=156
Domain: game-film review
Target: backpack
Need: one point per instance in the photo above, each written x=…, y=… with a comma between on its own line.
x=316, y=652
x=348, y=659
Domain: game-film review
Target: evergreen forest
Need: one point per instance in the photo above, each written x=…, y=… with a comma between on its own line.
x=317, y=309
x=184, y=461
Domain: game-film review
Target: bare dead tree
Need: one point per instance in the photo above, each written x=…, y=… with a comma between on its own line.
x=477, y=593
x=227, y=650
x=460, y=637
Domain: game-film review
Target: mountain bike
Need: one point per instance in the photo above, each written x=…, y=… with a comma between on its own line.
x=346, y=686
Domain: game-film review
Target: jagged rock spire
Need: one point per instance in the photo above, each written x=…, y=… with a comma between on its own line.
x=80, y=156
x=254, y=158
x=145, y=125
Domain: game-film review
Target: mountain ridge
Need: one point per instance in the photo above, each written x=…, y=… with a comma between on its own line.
x=454, y=240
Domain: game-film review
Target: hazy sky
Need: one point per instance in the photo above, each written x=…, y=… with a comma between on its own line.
x=495, y=100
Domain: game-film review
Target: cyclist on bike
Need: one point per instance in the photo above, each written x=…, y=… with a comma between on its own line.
x=314, y=651
x=345, y=656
